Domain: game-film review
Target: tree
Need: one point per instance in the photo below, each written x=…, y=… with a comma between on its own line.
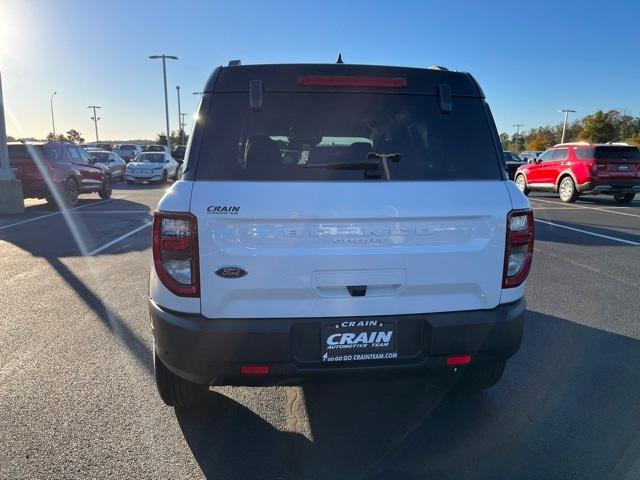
x=599, y=127
x=161, y=139
x=504, y=140
x=541, y=138
x=10, y=138
x=74, y=136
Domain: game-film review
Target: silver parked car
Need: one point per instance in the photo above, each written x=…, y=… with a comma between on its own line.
x=112, y=161
x=128, y=151
x=152, y=167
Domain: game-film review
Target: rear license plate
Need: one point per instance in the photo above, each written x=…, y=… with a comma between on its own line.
x=623, y=167
x=354, y=341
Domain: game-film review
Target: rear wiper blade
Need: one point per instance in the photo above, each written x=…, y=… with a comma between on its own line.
x=373, y=162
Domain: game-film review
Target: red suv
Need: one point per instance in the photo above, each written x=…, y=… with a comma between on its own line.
x=69, y=167
x=574, y=168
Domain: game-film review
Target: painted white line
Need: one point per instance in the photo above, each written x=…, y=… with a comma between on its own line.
x=53, y=213
x=116, y=240
x=587, y=232
x=107, y=211
x=539, y=208
x=596, y=208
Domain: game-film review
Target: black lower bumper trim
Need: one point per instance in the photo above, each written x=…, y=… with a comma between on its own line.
x=211, y=351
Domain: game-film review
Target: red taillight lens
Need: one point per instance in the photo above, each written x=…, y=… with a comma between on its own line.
x=518, y=248
x=254, y=369
x=458, y=360
x=175, y=252
x=342, y=81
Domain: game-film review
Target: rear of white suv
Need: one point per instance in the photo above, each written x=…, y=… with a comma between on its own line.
x=338, y=220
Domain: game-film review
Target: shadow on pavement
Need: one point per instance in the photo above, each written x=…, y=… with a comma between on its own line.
x=551, y=233
x=566, y=408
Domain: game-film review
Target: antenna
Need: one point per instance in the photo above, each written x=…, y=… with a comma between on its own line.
x=339, y=60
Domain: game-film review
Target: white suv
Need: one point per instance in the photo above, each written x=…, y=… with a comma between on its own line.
x=338, y=220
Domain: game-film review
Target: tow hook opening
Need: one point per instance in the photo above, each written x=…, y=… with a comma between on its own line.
x=357, y=290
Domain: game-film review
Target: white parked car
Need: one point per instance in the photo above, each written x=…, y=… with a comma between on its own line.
x=152, y=167
x=330, y=223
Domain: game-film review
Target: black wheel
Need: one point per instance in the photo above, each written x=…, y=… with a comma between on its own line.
x=165, y=177
x=567, y=190
x=624, y=197
x=106, y=188
x=476, y=377
x=71, y=192
x=176, y=391
x=521, y=182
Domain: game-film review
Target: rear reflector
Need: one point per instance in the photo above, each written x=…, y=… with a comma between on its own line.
x=459, y=360
x=254, y=369
x=341, y=81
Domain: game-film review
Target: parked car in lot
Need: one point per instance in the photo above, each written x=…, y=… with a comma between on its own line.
x=178, y=153
x=128, y=151
x=530, y=156
x=157, y=148
x=100, y=146
x=69, y=168
x=513, y=161
x=309, y=238
x=152, y=167
x=571, y=169
x=111, y=161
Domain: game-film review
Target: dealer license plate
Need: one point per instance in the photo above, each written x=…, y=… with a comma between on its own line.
x=354, y=341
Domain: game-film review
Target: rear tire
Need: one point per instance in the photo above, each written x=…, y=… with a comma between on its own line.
x=71, y=192
x=165, y=178
x=567, y=190
x=624, y=197
x=176, y=391
x=521, y=182
x=105, y=193
x=477, y=377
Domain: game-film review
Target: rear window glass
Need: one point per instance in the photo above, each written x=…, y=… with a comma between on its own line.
x=127, y=147
x=346, y=136
x=603, y=153
x=155, y=148
x=53, y=153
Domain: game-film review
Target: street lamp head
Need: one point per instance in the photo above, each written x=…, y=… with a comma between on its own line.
x=198, y=93
x=170, y=57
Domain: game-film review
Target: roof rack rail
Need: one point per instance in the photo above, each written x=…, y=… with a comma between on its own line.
x=572, y=143
x=437, y=67
x=234, y=63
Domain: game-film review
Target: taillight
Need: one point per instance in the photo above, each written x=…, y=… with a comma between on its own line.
x=351, y=81
x=175, y=252
x=518, y=248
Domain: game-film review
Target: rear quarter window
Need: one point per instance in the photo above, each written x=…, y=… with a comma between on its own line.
x=322, y=137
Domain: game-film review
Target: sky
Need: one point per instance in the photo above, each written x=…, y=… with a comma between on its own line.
x=531, y=58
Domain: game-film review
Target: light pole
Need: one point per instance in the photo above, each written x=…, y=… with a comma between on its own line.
x=179, y=117
x=517, y=125
x=53, y=120
x=183, y=124
x=566, y=112
x=166, y=100
x=95, y=119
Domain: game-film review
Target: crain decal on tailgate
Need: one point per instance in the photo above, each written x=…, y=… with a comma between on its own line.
x=223, y=210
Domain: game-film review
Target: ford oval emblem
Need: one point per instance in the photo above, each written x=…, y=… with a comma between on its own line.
x=231, y=272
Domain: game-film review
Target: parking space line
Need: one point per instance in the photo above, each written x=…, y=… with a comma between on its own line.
x=595, y=208
x=116, y=240
x=107, y=211
x=53, y=213
x=587, y=232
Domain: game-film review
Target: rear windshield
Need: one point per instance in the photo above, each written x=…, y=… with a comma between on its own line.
x=155, y=148
x=150, y=158
x=24, y=153
x=603, y=153
x=127, y=147
x=346, y=136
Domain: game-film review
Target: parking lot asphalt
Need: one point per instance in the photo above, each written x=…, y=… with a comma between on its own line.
x=78, y=399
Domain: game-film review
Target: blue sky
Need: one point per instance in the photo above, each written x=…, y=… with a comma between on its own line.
x=531, y=58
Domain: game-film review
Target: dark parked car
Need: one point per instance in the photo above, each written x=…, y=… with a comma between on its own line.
x=178, y=153
x=513, y=161
x=69, y=168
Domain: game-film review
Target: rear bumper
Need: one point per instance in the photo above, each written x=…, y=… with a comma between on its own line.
x=211, y=351
x=611, y=187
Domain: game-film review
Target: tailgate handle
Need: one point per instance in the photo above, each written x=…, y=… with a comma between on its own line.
x=357, y=290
